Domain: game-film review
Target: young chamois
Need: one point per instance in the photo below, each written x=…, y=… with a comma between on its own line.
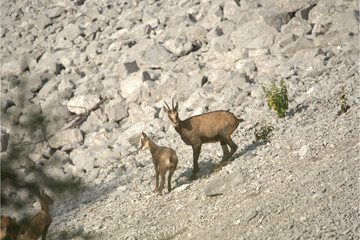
x=9, y=228
x=210, y=127
x=37, y=225
x=164, y=159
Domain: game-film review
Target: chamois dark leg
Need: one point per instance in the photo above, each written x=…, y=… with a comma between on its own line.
x=224, y=161
x=156, y=180
x=162, y=182
x=44, y=234
x=233, y=147
x=225, y=149
x=169, y=178
x=196, y=154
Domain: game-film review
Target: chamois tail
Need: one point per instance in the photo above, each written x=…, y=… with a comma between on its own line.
x=240, y=120
x=173, y=160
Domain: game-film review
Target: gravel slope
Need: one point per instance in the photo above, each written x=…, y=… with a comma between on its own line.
x=60, y=58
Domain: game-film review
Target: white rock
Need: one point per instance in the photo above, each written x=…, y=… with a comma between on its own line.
x=68, y=139
x=83, y=103
x=72, y=31
x=116, y=110
x=181, y=188
x=132, y=83
x=65, y=87
x=179, y=46
x=304, y=150
x=49, y=87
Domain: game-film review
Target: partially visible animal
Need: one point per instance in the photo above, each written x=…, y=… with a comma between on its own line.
x=39, y=224
x=9, y=228
x=164, y=160
x=210, y=127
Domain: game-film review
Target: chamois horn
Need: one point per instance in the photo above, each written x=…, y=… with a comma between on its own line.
x=167, y=106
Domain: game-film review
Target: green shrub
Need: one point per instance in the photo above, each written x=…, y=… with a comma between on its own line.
x=277, y=98
x=343, y=101
x=264, y=132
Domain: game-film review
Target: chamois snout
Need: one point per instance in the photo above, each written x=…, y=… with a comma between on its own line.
x=175, y=122
x=143, y=144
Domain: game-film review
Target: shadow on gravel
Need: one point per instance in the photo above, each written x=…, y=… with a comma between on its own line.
x=247, y=148
x=298, y=109
x=79, y=234
x=207, y=165
x=206, y=169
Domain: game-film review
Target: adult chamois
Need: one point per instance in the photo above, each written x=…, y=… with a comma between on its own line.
x=164, y=159
x=210, y=127
x=37, y=225
x=9, y=228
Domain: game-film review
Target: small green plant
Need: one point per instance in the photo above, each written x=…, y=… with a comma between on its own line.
x=264, y=132
x=343, y=103
x=277, y=98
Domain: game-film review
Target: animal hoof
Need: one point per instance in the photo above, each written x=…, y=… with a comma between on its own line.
x=216, y=169
x=193, y=177
x=220, y=166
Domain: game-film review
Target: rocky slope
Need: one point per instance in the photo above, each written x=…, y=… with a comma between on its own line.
x=62, y=58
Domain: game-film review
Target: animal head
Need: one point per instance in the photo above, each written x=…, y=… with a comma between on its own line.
x=46, y=198
x=173, y=113
x=144, y=142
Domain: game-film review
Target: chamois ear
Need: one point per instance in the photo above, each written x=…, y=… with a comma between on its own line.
x=176, y=106
x=39, y=193
x=145, y=136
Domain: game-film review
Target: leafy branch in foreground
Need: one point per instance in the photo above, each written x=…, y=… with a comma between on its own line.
x=25, y=130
